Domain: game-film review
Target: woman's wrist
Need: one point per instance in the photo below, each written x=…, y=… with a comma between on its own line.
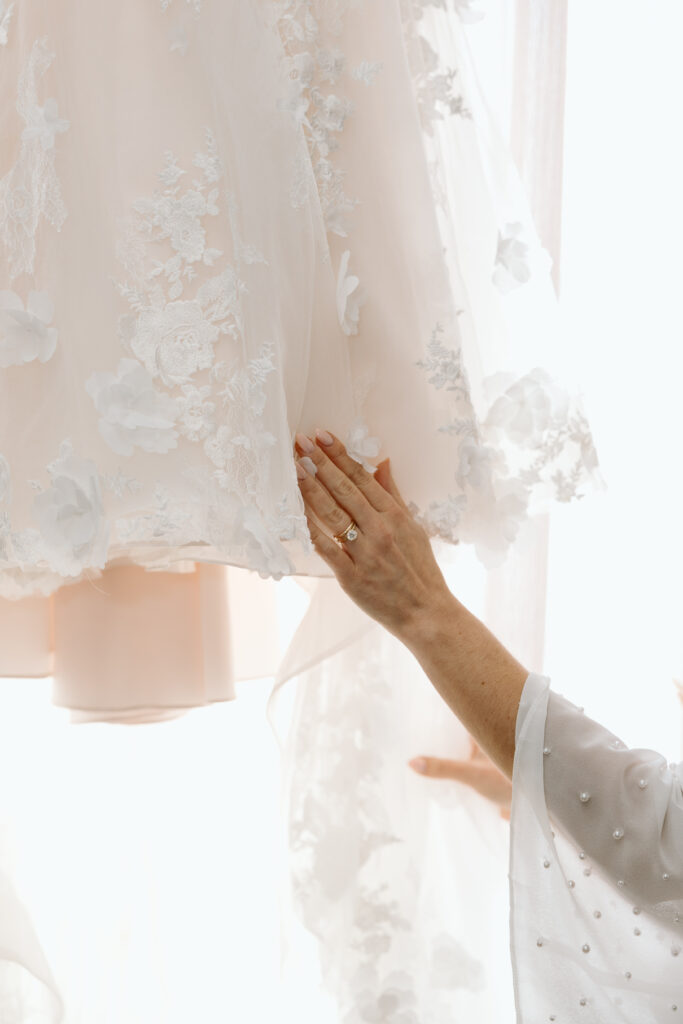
x=430, y=622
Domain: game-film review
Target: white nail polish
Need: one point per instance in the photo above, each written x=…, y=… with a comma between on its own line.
x=309, y=465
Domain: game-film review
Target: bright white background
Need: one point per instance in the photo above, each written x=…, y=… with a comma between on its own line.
x=615, y=603
x=181, y=818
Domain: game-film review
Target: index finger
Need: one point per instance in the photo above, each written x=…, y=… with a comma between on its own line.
x=377, y=496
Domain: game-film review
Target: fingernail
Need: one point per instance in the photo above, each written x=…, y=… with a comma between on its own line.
x=419, y=764
x=300, y=471
x=305, y=443
x=308, y=465
x=324, y=437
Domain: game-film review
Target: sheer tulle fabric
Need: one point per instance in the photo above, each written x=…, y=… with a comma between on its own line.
x=382, y=862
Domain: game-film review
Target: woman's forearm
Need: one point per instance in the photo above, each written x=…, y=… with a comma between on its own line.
x=388, y=568
x=474, y=673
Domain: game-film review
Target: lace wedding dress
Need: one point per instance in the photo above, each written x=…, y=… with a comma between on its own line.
x=222, y=222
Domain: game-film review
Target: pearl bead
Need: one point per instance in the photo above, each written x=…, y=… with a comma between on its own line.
x=597, y=913
x=628, y=975
x=636, y=910
x=582, y=1002
x=675, y=950
x=539, y=942
x=582, y=856
x=642, y=783
x=552, y=1017
x=586, y=872
x=546, y=863
x=674, y=1006
x=636, y=931
x=618, y=833
x=584, y=797
x=585, y=948
x=666, y=876
x=546, y=751
x=571, y=883
x=621, y=883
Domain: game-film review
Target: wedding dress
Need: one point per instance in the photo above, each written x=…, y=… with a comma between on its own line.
x=596, y=870
x=222, y=222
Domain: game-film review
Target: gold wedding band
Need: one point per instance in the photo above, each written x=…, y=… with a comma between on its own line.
x=350, y=533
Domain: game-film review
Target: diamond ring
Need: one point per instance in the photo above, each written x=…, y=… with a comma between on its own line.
x=350, y=533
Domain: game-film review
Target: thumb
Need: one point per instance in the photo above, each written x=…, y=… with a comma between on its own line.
x=383, y=476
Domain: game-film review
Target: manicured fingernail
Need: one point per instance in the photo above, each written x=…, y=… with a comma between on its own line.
x=308, y=465
x=300, y=471
x=324, y=437
x=419, y=764
x=305, y=443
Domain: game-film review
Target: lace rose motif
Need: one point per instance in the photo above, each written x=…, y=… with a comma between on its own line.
x=31, y=189
x=70, y=515
x=175, y=337
x=132, y=413
x=25, y=333
x=6, y=11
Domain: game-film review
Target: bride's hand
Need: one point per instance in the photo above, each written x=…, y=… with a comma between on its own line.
x=386, y=565
x=478, y=772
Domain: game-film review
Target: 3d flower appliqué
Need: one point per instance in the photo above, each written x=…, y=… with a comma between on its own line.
x=349, y=296
x=527, y=408
x=360, y=446
x=132, y=413
x=5, y=479
x=25, y=333
x=70, y=514
x=478, y=463
x=6, y=11
x=512, y=259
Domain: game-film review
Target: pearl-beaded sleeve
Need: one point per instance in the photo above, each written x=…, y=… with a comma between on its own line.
x=596, y=871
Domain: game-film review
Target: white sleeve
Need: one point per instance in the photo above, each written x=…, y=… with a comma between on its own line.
x=596, y=871
x=623, y=806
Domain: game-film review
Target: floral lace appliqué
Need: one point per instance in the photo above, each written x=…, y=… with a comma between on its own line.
x=313, y=82
x=31, y=189
x=191, y=380
x=70, y=514
x=25, y=333
x=512, y=259
x=6, y=12
x=533, y=445
x=355, y=879
x=349, y=297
